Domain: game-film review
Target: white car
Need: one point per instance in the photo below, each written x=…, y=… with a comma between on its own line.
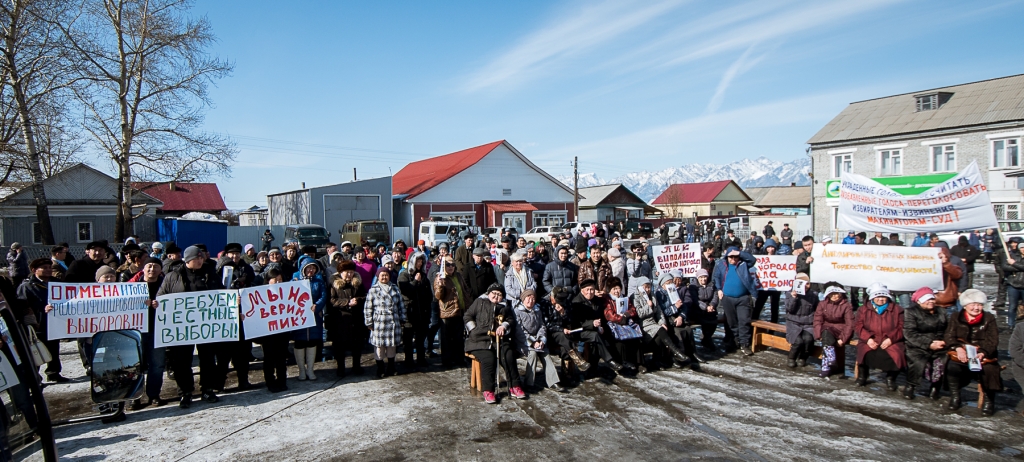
x=1007, y=229
x=673, y=228
x=541, y=233
x=575, y=227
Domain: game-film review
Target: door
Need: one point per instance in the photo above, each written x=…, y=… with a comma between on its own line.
x=343, y=208
x=514, y=220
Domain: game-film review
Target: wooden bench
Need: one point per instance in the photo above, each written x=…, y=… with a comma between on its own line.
x=764, y=337
x=474, y=374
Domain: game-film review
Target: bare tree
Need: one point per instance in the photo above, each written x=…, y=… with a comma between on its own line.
x=34, y=74
x=148, y=69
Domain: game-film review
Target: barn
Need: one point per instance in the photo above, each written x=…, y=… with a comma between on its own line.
x=334, y=205
x=493, y=185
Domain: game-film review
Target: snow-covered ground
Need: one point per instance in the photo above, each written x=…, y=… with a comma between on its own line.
x=737, y=408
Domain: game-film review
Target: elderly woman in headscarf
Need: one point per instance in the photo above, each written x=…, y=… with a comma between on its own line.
x=488, y=320
x=924, y=327
x=384, y=314
x=879, y=329
x=800, y=323
x=519, y=277
x=627, y=351
x=701, y=302
x=972, y=338
x=833, y=326
x=667, y=297
x=653, y=322
x=531, y=340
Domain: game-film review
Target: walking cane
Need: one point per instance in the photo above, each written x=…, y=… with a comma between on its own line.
x=497, y=356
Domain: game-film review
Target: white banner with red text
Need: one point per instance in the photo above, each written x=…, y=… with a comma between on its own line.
x=81, y=310
x=903, y=269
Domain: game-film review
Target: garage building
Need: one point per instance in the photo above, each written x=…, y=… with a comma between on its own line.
x=333, y=206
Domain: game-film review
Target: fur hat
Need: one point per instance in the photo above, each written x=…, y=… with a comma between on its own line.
x=103, y=271
x=527, y=293
x=973, y=296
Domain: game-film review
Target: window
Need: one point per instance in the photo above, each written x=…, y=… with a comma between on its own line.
x=467, y=218
x=549, y=219
x=1006, y=153
x=1007, y=211
x=927, y=102
x=835, y=217
x=841, y=163
x=892, y=162
x=84, y=231
x=506, y=192
x=944, y=158
x=37, y=233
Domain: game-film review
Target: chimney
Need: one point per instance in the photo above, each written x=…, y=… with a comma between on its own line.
x=303, y=185
x=172, y=186
x=792, y=184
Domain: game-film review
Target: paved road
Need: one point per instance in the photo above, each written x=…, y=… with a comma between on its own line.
x=735, y=409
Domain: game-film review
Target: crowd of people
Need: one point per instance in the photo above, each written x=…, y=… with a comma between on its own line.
x=577, y=306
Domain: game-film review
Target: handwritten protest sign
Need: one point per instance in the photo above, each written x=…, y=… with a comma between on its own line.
x=684, y=257
x=800, y=286
x=276, y=308
x=776, y=272
x=961, y=202
x=899, y=268
x=81, y=310
x=193, y=318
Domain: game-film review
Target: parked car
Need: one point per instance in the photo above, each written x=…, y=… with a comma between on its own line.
x=496, y=233
x=575, y=227
x=436, y=232
x=673, y=229
x=366, y=232
x=541, y=233
x=1007, y=229
x=638, y=229
x=303, y=235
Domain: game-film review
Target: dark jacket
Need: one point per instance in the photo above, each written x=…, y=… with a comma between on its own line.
x=696, y=300
x=1016, y=346
x=888, y=325
x=584, y=312
x=463, y=258
x=416, y=294
x=483, y=314
x=921, y=328
x=478, y=278
x=984, y=335
x=561, y=274
x=801, y=263
x=800, y=315
x=836, y=318
x=747, y=261
x=187, y=280
x=1014, y=273
x=17, y=264
x=82, y=270
x=32, y=292
x=599, y=272
x=967, y=253
x=339, y=312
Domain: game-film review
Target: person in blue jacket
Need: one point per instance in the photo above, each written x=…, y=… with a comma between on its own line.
x=850, y=238
x=308, y=340
x=736, y=286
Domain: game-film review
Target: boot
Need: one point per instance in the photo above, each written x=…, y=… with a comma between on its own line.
x=908, y=391
x=678, y=355
x=310, y=361
x=691, y=350
x=989, y=406
x=935, y=391
x=794, y=351
x=578, y=360
x=890, y=381
x=839, y=365
x=862, y=376
x=421, y=359
x=828, y=357
x=380, y=369
x=300, y=360
x=391, y=370
x=954, y=390
x=357, y=368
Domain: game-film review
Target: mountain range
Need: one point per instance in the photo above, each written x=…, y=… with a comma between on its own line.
x=748, y=173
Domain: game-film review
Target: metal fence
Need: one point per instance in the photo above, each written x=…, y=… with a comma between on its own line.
x=253, y=235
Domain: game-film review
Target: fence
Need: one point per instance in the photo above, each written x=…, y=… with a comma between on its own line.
x=254, y=235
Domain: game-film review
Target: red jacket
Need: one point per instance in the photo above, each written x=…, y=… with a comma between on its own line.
x=888, y=325
x=836, y=318
x=612, y=315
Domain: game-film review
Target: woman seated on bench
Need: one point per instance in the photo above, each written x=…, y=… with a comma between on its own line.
x=833, y=326
x=800, y=323
x=924, y=326
x=879, y=329
x=972, y=326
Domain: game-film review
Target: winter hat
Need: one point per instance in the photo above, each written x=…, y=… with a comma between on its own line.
x=346, y=265
x=385, y=260
x=878, y=289
x=497, y=287
x=39, y=262
x=732, y=252
x=157, y=246
x=702, y=272
x=382, y=269
x=826, y=239
x=103, y=271
x=155, y=261
x=663, y=278
x=443, y=245
x=676, y=273
x=273, y=251
x=479, y=252
x=233, y=247
x=591, y=242
x=348, y=243
x=89, y=246
x=588, y=283
x=833, y=289
x=16, y=245
x=922, y=295
x=527, y=293
x=640, y=281
x=192, y=253
x=972, y=296
x=770, y=243
x=248, y=247
x=803, y=277
x=614, y=253
x=611, y=283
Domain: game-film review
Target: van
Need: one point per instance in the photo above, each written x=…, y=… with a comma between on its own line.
x=361, y=232
x=303, y=235
x=436, y=232
x=638, y=229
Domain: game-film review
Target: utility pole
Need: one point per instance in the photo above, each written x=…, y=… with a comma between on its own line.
x=576, y=188
x=354, y=178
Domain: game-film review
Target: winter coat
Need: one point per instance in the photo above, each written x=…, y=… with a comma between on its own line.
x=17, y=264
x=463, y=258
x=384, y=314
x=1016, y=348
x=650, y=316
x=478, y=278
x=619, y=269
x=800, y=315
x=747, y=261
x=663, y=301
x=984, y=335
x=611, y=314
x=786, y=236
x=636, y=268
x=416, y=295
x=967, y=253
x=951, y=274
x=599, y=272
x=339, y=311
x=516, y=283
x=452, y=294
x=836, y=318
x=696, y=300
x=318, y=290
x=583, y=312
x=888, y=325
x=921, y=328
x=33, y=291
x=1014, y=273
x=480, y=318
x=82, y=270
x=529, y=327
x=187, y=280
x=555, y=322
x=561, y=274
x=801, y=263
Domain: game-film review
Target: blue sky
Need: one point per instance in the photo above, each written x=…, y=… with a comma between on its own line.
x=320, y=88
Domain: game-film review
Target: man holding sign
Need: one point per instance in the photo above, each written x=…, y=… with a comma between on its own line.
x=213, y=357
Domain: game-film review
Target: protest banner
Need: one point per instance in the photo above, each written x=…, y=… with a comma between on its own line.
x=904, y=269
x=956, y=204
x=800, y=286
x=81, y=310
x=776, y=272
x=684, y=257
x=276, y=308
x=8, y=378
x=192, y=318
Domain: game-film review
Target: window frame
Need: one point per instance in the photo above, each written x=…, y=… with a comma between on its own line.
x=1006, y=164
x=931, y=157
x=893, y=153
x=543, y=218
x=834, y=170
x=37, y=230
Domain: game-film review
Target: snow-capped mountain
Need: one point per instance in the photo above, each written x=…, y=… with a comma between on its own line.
x=748, y=173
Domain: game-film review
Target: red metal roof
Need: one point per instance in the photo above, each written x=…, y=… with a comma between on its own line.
x=418, y=177
x=691, y=193
x=516, y=206
x=186, y=197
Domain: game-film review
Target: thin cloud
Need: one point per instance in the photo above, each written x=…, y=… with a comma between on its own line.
x=589, y=28
x=741, y=65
